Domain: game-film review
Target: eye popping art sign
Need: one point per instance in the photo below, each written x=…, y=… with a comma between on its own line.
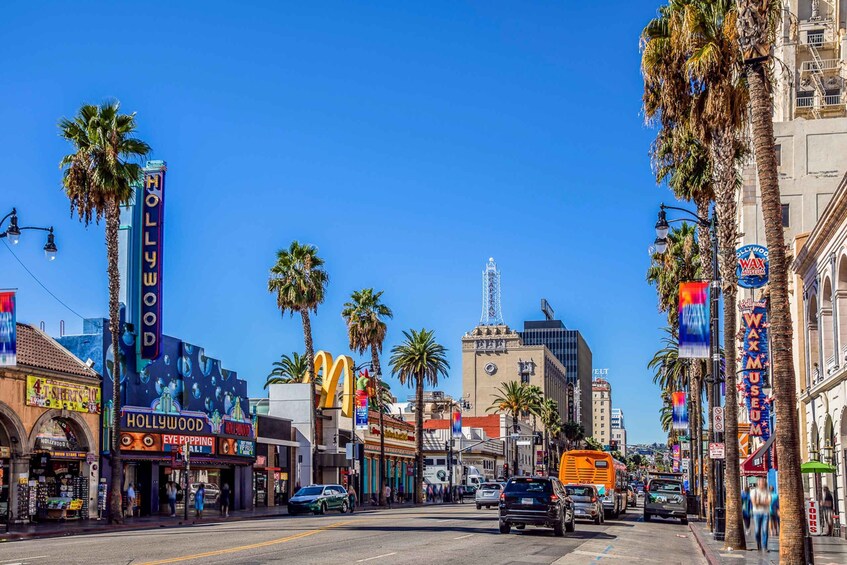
x=754, y=365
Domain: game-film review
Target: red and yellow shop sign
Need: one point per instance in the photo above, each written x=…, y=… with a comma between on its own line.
x=53, y=393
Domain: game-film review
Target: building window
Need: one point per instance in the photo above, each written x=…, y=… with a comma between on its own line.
x=778, y=154
x=815, y=37
x=805, y=99
x=785, y=216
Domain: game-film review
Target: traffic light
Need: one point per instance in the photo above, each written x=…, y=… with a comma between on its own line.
x=538, y=439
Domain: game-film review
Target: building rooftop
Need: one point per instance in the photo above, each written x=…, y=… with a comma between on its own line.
x=38, y=350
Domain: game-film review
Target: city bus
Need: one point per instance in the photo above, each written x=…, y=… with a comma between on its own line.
x=600, y=469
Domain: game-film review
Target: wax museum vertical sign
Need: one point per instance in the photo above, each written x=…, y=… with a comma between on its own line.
x=8, y=330
x=694, y=320
x=755, y=362
x=152, y=217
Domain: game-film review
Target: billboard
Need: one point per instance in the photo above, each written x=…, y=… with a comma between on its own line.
x=64, y=395
x=680, y=411
x=755, y=363
x=752, y=269
x=676, y=458
x=8, y=330
x=152, y=214
x=457, y=424
x=694, y=320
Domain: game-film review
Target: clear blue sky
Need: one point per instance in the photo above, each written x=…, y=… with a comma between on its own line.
x=408, y=141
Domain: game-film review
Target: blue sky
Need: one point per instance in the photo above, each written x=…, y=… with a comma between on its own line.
x=408, y=141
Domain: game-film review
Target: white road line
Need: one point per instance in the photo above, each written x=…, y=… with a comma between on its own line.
x=376, y=557
x=19, y=560
x=463, y=537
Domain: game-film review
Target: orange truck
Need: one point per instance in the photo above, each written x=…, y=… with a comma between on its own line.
x=600, y=469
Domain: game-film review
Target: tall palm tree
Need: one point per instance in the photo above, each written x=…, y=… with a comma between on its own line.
x=574, y=432
x=551, y=421
x=365, y=316
x=535, y=407
x=288, y=370
x=757, y=24
x=512, y=398
x=98, y=179
x=298, y=280
x=418, y=361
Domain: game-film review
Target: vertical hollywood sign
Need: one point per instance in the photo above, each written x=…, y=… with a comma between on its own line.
x=754, y=364
x=152, y=213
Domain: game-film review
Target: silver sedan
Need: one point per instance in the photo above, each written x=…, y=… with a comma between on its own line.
x=488, y=495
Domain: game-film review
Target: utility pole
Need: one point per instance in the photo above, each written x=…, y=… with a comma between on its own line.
x=187, y=495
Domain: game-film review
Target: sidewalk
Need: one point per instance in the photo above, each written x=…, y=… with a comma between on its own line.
x=70, y=528
x=828, y=550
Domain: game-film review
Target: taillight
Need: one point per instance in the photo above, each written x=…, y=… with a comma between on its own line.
x=502, y=496
x=554, y=497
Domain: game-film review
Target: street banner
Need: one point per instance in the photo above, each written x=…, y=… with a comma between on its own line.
x=694, y=320
x=754, y=365
x=361, y=414
x=676, y=458
x=8, y=330
x=457, y=424
x=680, y=411
x=752, y=269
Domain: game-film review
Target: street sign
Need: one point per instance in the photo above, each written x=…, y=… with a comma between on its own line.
x=716, y=451
x=717, y=418
x=523, y=442
x=684, y=466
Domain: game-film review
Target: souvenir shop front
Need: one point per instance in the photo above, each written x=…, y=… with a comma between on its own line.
x=49, y=411
x=399, y=457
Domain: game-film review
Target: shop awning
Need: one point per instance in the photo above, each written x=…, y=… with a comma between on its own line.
x=816, y=467
x=757, y=464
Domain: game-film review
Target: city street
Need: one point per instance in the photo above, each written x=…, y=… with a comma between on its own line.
x=432, y=534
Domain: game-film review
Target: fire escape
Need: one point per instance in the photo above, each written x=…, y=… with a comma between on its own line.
x=820, y=88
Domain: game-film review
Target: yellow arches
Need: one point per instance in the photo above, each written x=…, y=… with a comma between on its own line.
x=333, y=371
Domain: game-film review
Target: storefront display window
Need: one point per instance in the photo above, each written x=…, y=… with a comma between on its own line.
x=57, y=488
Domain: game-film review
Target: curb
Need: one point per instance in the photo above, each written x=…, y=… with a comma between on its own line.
x=708, y=553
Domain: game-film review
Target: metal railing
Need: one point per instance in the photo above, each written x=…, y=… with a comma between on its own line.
x=832, y=100
x=822, y=65
x=815, y=38
x=805, y=101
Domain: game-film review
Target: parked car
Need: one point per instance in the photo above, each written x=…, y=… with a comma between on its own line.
x=211, y=497
x=586, y=500
x=631, y=497
x=537, y=501
x=318, y=499
x=488, y=495
x=666, y=498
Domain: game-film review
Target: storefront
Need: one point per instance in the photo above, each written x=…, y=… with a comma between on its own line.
x=275, y=449
x=48, y=443
x=399, y=457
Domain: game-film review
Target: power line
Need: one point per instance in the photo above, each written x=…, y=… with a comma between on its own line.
x=47, y=290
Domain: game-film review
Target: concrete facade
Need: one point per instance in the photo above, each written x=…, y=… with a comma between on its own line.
x=601, y=394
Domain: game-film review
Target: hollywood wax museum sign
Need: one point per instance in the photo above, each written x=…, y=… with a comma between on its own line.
x=755, y=363
x=752, y=269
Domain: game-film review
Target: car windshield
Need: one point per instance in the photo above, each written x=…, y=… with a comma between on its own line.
x=490, y=486
x=309, y=491
x=665, y=486
x=529, y=486
x=579, y=491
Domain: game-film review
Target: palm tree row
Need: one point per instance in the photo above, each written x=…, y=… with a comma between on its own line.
x=706, y=67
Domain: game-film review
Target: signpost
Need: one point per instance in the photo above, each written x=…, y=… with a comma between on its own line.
x=716, y=451
x=186, y=453
x=717, y=418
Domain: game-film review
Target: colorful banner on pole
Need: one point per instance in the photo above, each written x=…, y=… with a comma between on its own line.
x=754, y=365
x=676, y=458
x=680, y=411
x=361, y=414
x=694, y=320
x=752, y=269
x=8, y=330
x=152, y=215
x=457, y=424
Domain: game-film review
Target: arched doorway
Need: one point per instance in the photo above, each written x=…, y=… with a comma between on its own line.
x=826, y=329
x=12, y=439
x=813, y=343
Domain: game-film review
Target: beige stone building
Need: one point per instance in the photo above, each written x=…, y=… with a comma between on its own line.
x=492, y=355
x=601, y=396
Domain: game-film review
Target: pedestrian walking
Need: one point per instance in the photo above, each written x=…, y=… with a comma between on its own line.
x=745, y=507
x=760, y=499
x=170, y=491
x=401, y=495
x=826, y=510
x=387, y=492
x=774, y=514
x=199, y=500
x=130, y=500
x=351, y=495
x=225, y=491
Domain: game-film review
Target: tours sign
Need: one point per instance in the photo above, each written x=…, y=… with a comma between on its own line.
x=152, y=215
x=754, y=365
x=752, y=269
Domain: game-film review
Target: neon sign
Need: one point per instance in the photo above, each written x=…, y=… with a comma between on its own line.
x=152, y=214
x=754, y=365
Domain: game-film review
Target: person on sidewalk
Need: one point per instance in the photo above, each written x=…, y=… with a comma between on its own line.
x=401, y=496
x=130, y=500
x=745, y=508
x=387, y=492
x=352, y=496
x=826, y=510
x=170, y=491
x=225, y=500
x=774, y=514
x=199, y=500
x=760, y=498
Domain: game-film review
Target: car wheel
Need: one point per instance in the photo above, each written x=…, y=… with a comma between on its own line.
x=344, y=507
x=558, y=529
x=520, y=526
x=684, y=521
x=479, y=506
x=322, y=508
x=505, y=527
x=571, y=526
x=646, y=517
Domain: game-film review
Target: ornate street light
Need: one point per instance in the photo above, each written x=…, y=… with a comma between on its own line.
x=13, y=234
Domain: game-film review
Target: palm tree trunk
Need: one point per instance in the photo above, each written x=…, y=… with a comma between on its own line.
x=419, y=413
x=791, y=509
x=310, y=359
x=113, y=218
x=723, y=163
x=378, y=385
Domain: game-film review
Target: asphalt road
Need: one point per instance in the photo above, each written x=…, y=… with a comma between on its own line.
x=432, y=534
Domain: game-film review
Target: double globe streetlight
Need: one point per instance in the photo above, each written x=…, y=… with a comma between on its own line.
x=661, y=245
x=13, y=233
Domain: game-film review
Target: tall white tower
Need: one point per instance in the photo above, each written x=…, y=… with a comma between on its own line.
x=492, y=315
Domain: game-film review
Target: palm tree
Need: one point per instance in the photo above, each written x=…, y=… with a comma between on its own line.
x=98, y=179
x=288, y=370
x=419, y=361
x=551, y=422
x=757, y=24
x=365, y=316
x=512, y=398
x=574, y=432
x=299, y=281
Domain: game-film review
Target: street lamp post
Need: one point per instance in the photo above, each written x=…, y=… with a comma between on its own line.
x=661, y=243
x=13, y=233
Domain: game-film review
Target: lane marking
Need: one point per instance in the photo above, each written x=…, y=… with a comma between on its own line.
x=463, y=537
x=20, y=560
x=377, y=557
x=248, y=547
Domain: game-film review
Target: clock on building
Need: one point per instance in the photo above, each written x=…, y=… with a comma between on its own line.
x=490, y=368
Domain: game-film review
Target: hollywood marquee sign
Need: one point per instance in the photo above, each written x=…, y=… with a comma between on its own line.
x=173, y=423
x=152, y=214
x=755, y=362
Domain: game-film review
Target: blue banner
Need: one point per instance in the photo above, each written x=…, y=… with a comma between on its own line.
x=755, y=363
x=694, y=320
x=457, y=424
x=8, y=330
